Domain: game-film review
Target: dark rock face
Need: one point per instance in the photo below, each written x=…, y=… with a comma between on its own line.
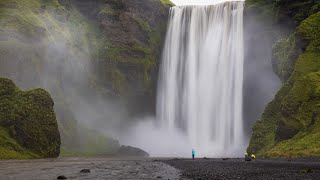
x=131, y=33
x=30, y=119
x=132, y=151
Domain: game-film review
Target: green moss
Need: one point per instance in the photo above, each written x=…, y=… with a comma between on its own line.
x=7, y=87
x=30, y=120
x=167, y=3
x=147, y=63
x=10, y=149
x=263, y=137
x=289, y=126
x=304, y=144
x=310, y=30
x=143, y=24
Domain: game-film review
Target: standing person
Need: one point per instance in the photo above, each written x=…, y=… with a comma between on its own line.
x=193, y=153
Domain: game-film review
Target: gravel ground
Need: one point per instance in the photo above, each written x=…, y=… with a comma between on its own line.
x=239, y=169
x=100, y=168
x=149, y=168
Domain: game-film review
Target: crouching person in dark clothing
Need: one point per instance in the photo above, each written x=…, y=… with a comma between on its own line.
x=247, y=157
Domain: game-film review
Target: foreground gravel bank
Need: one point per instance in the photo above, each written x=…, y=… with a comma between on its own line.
x=240, y=169
x=87, y=168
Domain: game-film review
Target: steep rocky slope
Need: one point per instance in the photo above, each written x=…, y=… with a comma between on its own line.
x=290, y=124
x=131, y=33
x=98, y=59
x=28, y=125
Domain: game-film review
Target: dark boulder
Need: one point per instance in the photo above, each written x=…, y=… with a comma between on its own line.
x=85, y=171
x=62, y=177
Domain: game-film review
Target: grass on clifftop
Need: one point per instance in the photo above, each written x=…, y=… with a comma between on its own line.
x=167, y=3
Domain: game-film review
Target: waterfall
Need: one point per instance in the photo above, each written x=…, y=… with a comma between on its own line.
x=201, y=77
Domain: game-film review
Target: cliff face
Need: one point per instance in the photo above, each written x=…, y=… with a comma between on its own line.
x=131, y=33
x=290, y=124
x=28, y=125
x=86, y=54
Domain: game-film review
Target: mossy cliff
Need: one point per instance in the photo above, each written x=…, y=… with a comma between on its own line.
x=28, y=125
x=290, y=124
x=82, y=52
x=132, y=34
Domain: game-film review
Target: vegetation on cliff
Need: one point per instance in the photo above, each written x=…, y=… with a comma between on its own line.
x=284, y=12
x=290, y=124
x=167, y=3
x=28, y=126
x=77, y=48
x=129, y=57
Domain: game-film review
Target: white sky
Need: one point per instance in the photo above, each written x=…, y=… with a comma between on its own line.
x=199, y=2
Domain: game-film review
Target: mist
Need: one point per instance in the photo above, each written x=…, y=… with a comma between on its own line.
x=260, y=82
x=259, y=87
x=62, y=56
x=60, y=59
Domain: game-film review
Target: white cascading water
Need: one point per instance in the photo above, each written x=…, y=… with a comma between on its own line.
x=201, y=78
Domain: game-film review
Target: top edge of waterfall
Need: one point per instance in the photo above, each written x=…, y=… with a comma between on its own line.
x=201, y=2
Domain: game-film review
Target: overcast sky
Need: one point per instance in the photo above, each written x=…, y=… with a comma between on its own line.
x=196, y=2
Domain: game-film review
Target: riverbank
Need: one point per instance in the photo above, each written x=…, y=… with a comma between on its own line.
x=239, y=169
x=100, y=168
x=159, y=168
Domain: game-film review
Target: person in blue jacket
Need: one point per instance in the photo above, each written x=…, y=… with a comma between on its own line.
x=193, y=153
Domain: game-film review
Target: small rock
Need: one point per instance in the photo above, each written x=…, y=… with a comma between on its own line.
x=85, y=171
x=159, y=177
x=62, y=177
x=306, y=171
x=225, y=159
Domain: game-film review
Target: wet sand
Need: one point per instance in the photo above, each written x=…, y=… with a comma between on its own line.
x=239, y=169
x=101, y=168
